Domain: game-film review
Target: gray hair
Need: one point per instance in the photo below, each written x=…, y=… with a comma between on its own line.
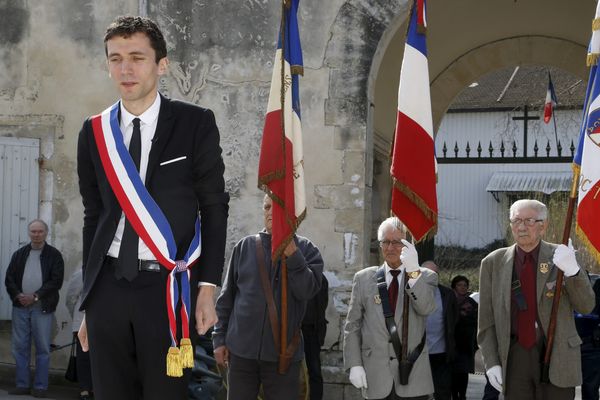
x=40, y=221
x=538, y=206
x=391, y=223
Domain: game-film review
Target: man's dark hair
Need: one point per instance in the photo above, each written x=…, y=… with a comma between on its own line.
x=459, y=278
x=127, y=25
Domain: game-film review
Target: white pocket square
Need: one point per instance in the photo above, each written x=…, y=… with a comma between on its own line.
x=173, y=160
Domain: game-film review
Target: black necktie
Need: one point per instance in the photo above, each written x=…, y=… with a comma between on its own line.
x=128, y=253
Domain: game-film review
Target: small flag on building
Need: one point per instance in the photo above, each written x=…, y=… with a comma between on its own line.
x=587, y=157
x=414, y=166
x=551, y=101
x=281, y=164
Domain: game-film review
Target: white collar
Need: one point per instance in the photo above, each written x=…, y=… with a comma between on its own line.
x=388, y=268
x=147, y=117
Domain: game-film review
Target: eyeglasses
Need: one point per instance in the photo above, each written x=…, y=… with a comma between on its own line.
x=386, y=243
x=526, y=221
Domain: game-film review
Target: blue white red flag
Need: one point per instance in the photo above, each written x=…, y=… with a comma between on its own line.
x=551, y=101
x=587, y=157
x=414, y=167
x=281, y=163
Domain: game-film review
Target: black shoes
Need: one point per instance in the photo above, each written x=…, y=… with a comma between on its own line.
x=39, y=393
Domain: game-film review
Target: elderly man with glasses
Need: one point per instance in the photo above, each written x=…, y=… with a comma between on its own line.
x=517, y=286
x=373, y=330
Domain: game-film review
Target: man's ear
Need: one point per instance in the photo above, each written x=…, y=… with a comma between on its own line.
x=163, y=66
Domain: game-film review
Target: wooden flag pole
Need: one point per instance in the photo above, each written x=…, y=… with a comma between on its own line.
x=559, y=281
x=284, y=317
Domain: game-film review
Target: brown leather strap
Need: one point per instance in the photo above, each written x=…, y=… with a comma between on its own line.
x=267, y=290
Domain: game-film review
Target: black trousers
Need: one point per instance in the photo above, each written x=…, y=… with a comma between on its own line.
x=312, y=355
x=245, y=377
x=84, y=369
x=129, y=338
x=460, y=382
x=441, y=371
x=489, y=392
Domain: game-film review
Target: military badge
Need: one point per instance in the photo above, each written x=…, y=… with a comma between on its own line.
x=544, y=268
x=377, y=299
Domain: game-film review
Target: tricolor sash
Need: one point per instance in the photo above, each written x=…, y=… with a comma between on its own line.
x=151, y=225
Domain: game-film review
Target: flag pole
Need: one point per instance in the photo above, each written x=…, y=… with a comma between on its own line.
x=545, y=378
x=281, y=365
x=555, y=133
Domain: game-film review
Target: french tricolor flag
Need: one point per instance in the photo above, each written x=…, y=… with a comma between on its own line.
x=550, y=101
x=414, y=167
x=586, y=163
x=281, y=165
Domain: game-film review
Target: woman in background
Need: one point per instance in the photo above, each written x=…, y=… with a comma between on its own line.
x=465, y=336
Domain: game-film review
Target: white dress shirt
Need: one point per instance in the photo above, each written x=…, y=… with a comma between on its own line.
x=148, y=122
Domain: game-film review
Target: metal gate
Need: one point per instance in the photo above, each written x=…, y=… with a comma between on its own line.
x=19, y=200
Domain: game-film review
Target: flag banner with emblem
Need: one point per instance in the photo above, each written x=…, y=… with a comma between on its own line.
x=551, y=101
x=281, y=164
x=587, y=156
x=414, y=167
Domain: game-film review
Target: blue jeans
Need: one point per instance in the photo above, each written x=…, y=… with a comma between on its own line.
x=590, y=363
x=28, y=322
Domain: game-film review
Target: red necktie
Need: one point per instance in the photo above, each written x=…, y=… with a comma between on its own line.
x=393, y=289
x=526, y=318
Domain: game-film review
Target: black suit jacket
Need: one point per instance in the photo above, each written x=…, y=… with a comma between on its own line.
x=450, y=308
x=181, y=189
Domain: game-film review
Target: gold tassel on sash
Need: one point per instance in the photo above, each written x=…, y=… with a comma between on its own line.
x=174, y=368
x=186, y=353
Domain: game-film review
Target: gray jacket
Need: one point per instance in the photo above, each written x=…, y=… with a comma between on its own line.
x=494, y=312
x=244, y=325
x=367, y=340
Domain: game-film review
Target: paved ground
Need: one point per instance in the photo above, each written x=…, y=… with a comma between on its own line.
x=474, y=391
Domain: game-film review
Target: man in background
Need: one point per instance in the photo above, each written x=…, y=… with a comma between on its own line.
x=33, y=278
x=440, y=337
x=516, y=291
x=246, y=336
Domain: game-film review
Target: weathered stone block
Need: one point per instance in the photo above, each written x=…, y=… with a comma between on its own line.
x=354, y=167
x=339, y=196
x=350, y=137
x=349, y=221
x=345, y=112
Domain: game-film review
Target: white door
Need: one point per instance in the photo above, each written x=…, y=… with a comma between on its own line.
x=19, y=188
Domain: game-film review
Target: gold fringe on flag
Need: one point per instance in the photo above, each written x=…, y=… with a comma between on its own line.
x=186, y=353
x=592, y=59
x=174, y=368
x=588, y=244
x=420, y=203
x=297, y=70
x=596, y=24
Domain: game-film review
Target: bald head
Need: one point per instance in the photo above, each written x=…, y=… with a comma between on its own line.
x=430, y=265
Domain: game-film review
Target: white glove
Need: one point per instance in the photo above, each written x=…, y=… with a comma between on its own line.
x=564, y=258
x=409, y=256
x=494, y=375
x=358, y=377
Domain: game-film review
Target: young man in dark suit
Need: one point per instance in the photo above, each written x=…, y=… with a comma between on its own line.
x=141, y=200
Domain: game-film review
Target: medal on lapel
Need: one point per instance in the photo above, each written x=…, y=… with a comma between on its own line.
x=544, y=268
x=377, y=299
